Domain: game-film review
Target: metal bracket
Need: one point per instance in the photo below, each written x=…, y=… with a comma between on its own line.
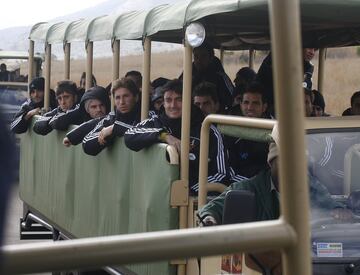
x=179, y=193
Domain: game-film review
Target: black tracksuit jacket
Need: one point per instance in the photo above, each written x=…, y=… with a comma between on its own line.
x=20, y=125
x=122, y=122
x=147, y=133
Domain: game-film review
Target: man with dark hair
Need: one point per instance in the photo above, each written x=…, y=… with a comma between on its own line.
x=265, y=75
x=244, y=77
x=318, y=104
x=94, y=105
x=354, y=110
x=32, y=106
x=248, y=157
x=308, y=97
x=136, y=77
x=166, y=128
x=205, y=97
x=157, y=100
x=4, y=73
x=125, y=116
x=66, y=95
x=207, y=67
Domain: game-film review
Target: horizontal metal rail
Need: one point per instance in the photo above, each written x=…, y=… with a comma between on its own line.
x=255, y=123
x=146, y=247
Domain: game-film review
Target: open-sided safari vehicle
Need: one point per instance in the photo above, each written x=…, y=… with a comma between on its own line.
x=78, y=196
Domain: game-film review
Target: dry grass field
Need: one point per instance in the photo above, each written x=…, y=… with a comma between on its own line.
x=341, y=71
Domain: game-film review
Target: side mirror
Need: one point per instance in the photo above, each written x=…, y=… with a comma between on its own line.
x=239, y=207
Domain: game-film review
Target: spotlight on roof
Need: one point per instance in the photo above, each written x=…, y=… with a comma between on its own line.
x=195, y=34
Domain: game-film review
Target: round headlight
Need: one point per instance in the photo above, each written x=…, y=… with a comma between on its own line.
x=195, y=34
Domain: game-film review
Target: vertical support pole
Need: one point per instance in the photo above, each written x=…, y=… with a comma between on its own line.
x=146, y=79
x=289, y=98
x=67, y=48
x=185, y=134
x=321, y=71
x=116, y=59
x=115, y=64
x=89, y=64
x=222, y=56
x=31, y=62
x=47, y=76
x=251, y=58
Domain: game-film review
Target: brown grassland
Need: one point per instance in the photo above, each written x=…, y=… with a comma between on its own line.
x=341, y=71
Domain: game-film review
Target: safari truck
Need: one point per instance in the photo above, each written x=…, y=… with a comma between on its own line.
x=131, y=213
x=14, y=80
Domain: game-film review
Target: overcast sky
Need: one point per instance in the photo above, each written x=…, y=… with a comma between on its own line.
x=28, y=12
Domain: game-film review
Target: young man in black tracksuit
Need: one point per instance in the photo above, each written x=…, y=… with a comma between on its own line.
x=32, y=106
x=248, y=157
x=126, y=115
x=167, y=128
x=94, y=105
x=66, y=95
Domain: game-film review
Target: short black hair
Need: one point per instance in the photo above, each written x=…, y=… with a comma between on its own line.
x=247, y=74
x=126, y=83
x=66, y=86
x=256, y=88
x=206, y=89
x=354, y=96
x=175, y=85
x=137, y=77
x=318, y=99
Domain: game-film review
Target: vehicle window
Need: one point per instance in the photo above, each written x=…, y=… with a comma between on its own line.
x=328, y=154
x=334, y=172
x=11, y=99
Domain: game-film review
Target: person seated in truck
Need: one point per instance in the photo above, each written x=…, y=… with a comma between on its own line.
x=205, y=97
x=354, y=110
x=207, y=67
x=157, y=95
x=157, y=100
x=136, y=77
x=265, y=187
x=244, y=77
x=94, y=106
x=66, y=95
x=308, y=101
x=115, y=124
x=94, y=103
x=4, y=73
x=248, y=157
x=32, y=106
x=166, y=128
x=318, y=104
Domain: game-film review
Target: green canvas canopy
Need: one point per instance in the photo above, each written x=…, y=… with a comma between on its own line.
x=229, y=24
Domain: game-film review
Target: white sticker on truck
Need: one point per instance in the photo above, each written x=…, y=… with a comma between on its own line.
x=329, y=249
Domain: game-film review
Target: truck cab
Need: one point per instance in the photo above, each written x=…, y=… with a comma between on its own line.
x=14, y=80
